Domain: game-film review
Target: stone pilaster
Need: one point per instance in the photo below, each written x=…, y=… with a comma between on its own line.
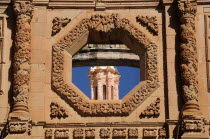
x=19, y=117
x=192, y=120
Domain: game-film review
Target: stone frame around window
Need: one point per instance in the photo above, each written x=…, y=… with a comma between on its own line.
x=77, y=37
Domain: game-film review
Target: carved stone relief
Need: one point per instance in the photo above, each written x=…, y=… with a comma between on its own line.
x=193, y=126
x=58, y=24
x=150, y=22
x=78, y=133
x=19, y=128
x=90, y=133
x=153, y=110
x=48, y=134
x=133, y=133
x=119, y=133
x=57, y=111
x=105, y=133
x=162, y=133
x=150, y=133
x=61, y=134
x=104, y=23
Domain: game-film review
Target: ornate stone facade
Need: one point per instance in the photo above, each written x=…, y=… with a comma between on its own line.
x=168, y=41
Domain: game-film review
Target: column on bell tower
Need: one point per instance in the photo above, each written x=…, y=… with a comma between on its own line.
x=104, y=83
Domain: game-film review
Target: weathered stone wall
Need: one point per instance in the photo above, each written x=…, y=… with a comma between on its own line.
x=56, y=30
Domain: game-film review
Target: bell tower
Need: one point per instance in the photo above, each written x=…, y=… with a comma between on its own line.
x=104, y=83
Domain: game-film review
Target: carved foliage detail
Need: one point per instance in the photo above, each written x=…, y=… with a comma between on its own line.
x=61, y=134
x=119, y=133
x=105, y=133
x=150, y=22
x=192, y=126
x=188, y=53
x=153, y=110
x=150, y=132
x=57, y=111
x=22, y=56
x=58, y=24
x=104, y=23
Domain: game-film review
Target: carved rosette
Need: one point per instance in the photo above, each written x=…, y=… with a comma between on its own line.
x=133, y=133
x=104, y=23
x=22, y=55
x=58, y=24
x=188, y=52
x=90, y=133
x=153, y=110
x=150, y=22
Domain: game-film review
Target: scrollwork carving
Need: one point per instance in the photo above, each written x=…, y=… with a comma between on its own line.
x=105, y=133
x=104, y=23
x=57, y=111
x=58, y=24
x=150, y=22
x=153, y=110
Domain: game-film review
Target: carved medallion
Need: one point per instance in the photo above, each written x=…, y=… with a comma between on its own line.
x=133, y=133
x=150, y=132
x=61, y=134
x=119, y=133
x=78, y=133
x=105, y=133
x=48, y=134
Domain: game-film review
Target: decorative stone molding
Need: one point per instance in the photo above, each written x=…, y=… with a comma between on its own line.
x=57, y=111
x=48, y=134
x=1, y=27
x=162, y=133
x=104, y=23
x=78, y=133
x=150, y=22
x=153, y=110
x=133, y=133
x=90, y=133
x=150, y=132
x=19, y=128
x=61, y=134
x=193, y=126
x=58, y=24
x=105, y=133
x=119, y=133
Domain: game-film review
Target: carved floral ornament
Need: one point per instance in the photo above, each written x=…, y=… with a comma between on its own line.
x=104, y=23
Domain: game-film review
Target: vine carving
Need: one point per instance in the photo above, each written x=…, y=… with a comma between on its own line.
x=57, y=111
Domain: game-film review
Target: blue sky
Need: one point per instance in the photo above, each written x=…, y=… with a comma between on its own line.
x=130, y=77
